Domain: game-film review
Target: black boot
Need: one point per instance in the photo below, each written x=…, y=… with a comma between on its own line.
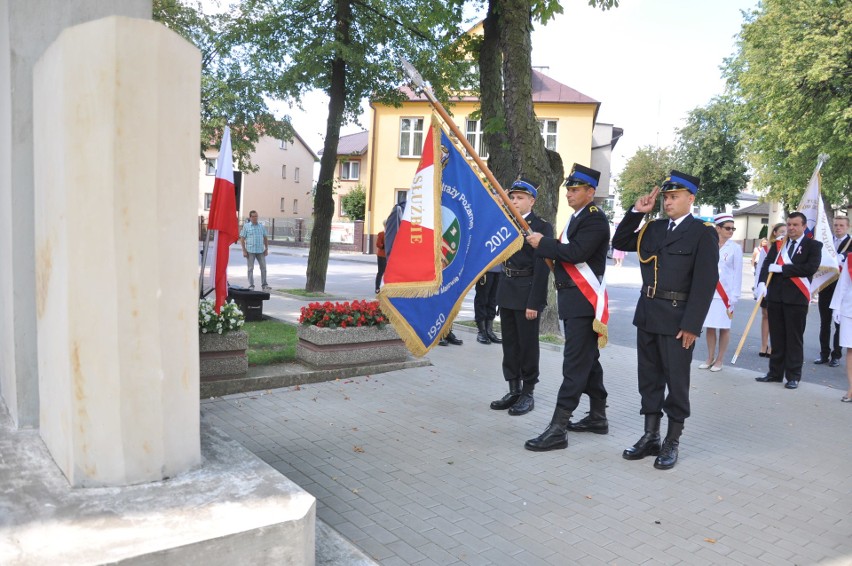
x=509, y=398
x=649, y=444
x=489, y=330
x=596, y=421
x=525, y=402
x=555, y=436
x=668, y=453
x=482, y=335
x=451, y=338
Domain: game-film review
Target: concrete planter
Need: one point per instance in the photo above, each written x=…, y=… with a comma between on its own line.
x=223, y=356
x=339, y=347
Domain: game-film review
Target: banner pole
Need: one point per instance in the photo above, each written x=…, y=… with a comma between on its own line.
x=420, y=84
x=748, y=325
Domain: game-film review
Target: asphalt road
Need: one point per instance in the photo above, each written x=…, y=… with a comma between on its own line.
x=352, y=276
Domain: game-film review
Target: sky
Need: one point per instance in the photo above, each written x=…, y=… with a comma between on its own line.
x=649, y=62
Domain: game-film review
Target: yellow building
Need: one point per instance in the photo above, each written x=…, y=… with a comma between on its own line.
x=566, y=118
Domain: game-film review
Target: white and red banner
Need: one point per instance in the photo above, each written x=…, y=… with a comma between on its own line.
x=223, y=218
x=414, y=267
x=819, y=229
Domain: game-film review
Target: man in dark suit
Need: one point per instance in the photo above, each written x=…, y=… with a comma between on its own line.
x=830, y=353
x=679, y=257
x=580, y=262
x=521, y=296
x=788, y=295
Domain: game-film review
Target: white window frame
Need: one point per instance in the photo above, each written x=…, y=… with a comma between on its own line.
x=551, y=138
x=476, y=138
x=346, y=168
x=283, y=204
x=403, y=193
x=295, y=206
x=282, y=144
x=208, y=200
x=296, y=175
x=283, y=171
x=210, y=164
x=412, y=132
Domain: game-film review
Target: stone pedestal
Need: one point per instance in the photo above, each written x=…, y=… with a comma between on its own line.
x=223, y=356
x=116, y=127
x=339, y=347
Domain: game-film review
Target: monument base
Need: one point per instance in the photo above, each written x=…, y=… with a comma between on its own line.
x=232, y=509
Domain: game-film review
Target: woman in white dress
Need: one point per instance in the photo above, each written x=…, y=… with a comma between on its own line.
x=841, y=305
x=779, y=232
x=727, y=293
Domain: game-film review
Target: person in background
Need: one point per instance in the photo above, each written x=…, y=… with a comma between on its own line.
x=829, y=353
x=618, y=257
x=521, y=296
x=779, y=232
x=678, y=257
x=788, y=295
x=255, y=247
x=727, y=293
x=485, y=305
x=841, y=306
x=381, y=259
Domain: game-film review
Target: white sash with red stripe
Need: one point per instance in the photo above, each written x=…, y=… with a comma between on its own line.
x=593, y=290
x=801, y=282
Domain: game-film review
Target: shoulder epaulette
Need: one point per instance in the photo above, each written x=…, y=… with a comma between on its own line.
x=593, y=208
x=709, y=224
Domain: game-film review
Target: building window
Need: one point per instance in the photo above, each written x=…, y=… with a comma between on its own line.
x=283, y=171
x=211, y=166
x=282, y=144
x=295, y=206
x=473, y=133
x=696, y=210
x=764, y=221
x=350, y=170
x=548, y=132
x=282, y=204
x=208, y=200
x=401, y=195
x=410, y=137
x=296, y=175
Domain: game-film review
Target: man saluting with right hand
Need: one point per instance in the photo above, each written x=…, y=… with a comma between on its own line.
x=679, y=258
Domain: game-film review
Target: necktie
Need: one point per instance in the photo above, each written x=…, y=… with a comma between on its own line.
x=671, y=226
x=790, y=248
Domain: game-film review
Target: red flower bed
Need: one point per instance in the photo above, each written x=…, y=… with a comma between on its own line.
x=343, y=315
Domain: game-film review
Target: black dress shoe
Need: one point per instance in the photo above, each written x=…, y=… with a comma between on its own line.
x=451, y=338
x=820, y=361
x=768, y=379
x=794, y=384
x=523, y=405
x=834, y=363
x=443, y=342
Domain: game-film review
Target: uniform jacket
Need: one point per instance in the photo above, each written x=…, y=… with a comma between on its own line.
x=687, y=263
x=805, y=262
x=530, y=292
x=588, y=241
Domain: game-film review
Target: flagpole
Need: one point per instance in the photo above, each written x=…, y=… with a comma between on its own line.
x=420, y=84
x=821, y=159
x=203, y=263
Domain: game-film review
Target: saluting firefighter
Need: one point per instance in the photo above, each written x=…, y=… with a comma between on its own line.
x=521, y=296
x=580, y=262
x=679, y=259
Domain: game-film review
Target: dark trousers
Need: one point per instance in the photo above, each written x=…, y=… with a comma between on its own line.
x=581, y=368
x=786, y=333
x=826, y=348
x=381, y=262
x=663, y=362
x=485, y=297
x=520, y=346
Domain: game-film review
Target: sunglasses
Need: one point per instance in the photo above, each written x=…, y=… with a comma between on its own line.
x=728, y=228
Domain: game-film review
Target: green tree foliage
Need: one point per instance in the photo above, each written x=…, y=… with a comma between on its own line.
x=709, y=148
x=347, y=49
x=228, y=95
x=354, y=202
x=647, y=168
x=792, y=74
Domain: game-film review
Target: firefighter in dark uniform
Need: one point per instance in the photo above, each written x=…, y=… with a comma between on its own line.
x=679, y=257
x=580, y=262
x=521, y=296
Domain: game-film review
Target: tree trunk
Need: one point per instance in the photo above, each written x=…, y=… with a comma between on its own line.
x=323, y=200
x=491, y=102
x=529, y=156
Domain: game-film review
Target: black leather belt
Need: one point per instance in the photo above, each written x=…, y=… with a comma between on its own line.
x=517, y=272
x=564, y=284
x=652, y=293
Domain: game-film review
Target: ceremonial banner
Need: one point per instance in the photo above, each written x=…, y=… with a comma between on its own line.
x=819, y=229
x=414, y=267
x=476, y=233
x=223, y=218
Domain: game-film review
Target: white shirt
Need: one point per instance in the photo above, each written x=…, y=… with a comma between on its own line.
x=731, y=270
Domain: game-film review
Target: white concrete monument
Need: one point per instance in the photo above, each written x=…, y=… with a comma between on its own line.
x=116, y=130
